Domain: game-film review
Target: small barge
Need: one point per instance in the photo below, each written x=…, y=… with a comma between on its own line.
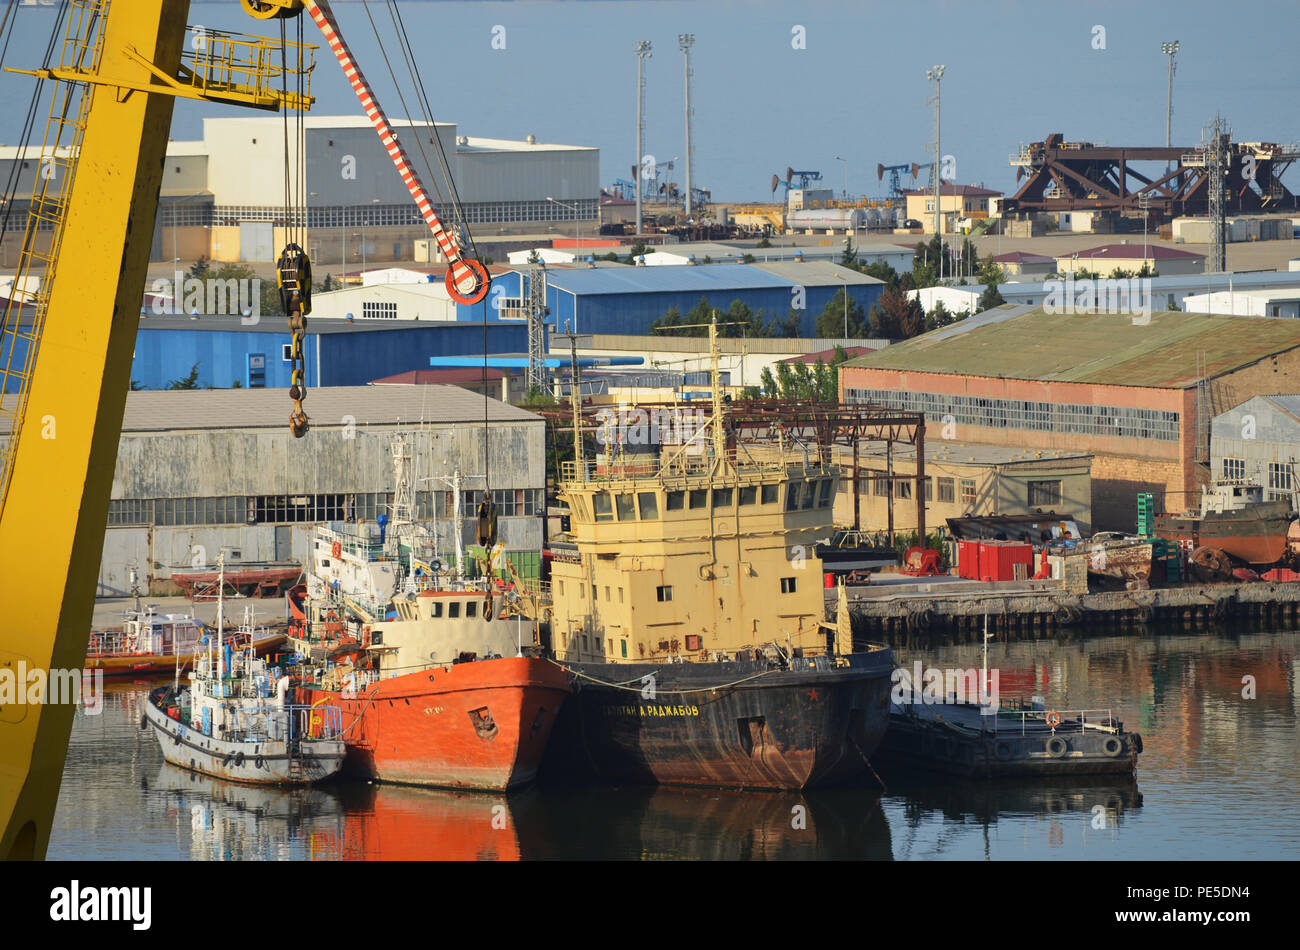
x=965, y=740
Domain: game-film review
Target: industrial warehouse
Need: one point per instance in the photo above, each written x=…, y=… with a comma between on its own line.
x=216, y=472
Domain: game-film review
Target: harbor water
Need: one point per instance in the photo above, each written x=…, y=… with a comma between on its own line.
x=1219, y=778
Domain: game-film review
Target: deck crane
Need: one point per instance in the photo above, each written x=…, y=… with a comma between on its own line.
x=65, y=359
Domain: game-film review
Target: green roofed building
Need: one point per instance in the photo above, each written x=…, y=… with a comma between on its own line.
x=1137, y=392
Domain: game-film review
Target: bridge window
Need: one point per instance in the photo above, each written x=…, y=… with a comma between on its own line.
x=648, y=502
x=748, y=495
x=603, y=507
x=625, y=509
x=676, y=500
x=769, y=494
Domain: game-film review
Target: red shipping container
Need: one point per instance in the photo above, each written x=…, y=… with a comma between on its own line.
x=968, y=560
x=998, y=559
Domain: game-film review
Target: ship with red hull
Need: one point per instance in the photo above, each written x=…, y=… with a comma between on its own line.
x=482, y=724
x=448, y=691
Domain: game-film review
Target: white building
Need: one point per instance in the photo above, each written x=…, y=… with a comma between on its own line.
x=955, y=299
x=1277, y=302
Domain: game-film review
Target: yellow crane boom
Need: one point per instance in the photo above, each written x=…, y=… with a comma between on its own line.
x=128, y=61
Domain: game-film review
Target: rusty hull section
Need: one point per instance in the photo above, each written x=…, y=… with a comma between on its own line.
x=731, y=724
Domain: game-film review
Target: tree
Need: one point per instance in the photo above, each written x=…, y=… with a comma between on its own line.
x=764, y=243
x=991, y=273
x=237, y=384
x=882, y=271
x=896, y=317
x=789, y=325
x=670, y=319
x=849, y=258
x=200, y=268
x=989, y=299
x=938, y=317
x=834, y=321
x=136, y=386
x=819, y=383
x=634, y=252
x=748, y=259
x=187, y=382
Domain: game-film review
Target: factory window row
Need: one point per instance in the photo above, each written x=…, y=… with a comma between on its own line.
x=195, y=214
x=378, y=310
x=1234, y=470
x=1069, y=418
x=291, y=509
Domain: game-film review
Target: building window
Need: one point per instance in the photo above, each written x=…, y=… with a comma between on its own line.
x=664, y=593
x=1045, y=494
x=1279, y=479
x=787, y=585
x=606, y=593
x=902, y=488
x=929, y=489
x=378, y=310
x=291, y=509
x=1234, y=470
x=620, y=595
x=967, y=492
x=947, y=490
x=1067, y=418
x=880, y=485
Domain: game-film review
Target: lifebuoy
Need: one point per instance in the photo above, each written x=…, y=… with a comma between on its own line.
x=336, y=549
x=1112, y=746
x=1053, y=718
x=1057, y=747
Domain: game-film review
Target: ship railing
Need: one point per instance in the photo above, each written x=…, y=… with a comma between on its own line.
x=284, y=723
x=603, y=469
x=1024, y=718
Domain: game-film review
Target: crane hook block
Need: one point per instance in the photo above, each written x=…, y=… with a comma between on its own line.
x=468, y=281
x=487, y=523
x=293, y=277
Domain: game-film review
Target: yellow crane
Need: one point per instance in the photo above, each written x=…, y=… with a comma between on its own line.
x=65, y=362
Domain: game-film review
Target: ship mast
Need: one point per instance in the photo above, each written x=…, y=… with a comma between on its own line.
x=715, y=383
x=579, y=463
x=221, y=598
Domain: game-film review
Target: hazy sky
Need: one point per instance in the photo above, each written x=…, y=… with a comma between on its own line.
x=1016, y=71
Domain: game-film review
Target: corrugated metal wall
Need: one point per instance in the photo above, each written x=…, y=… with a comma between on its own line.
x=346, y=359
x=635, y=313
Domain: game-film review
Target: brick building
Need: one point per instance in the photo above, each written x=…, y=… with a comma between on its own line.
x=1137, y=396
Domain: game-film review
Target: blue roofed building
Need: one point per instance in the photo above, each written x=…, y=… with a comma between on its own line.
x=628, y=300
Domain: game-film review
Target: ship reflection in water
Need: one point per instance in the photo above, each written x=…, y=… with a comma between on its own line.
x=1219, y=774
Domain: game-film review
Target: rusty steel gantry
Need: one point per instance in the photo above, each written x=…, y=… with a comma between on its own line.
x=825, y=425
x=1083, y=176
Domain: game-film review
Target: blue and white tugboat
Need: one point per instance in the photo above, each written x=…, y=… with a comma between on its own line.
x=233, y=721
